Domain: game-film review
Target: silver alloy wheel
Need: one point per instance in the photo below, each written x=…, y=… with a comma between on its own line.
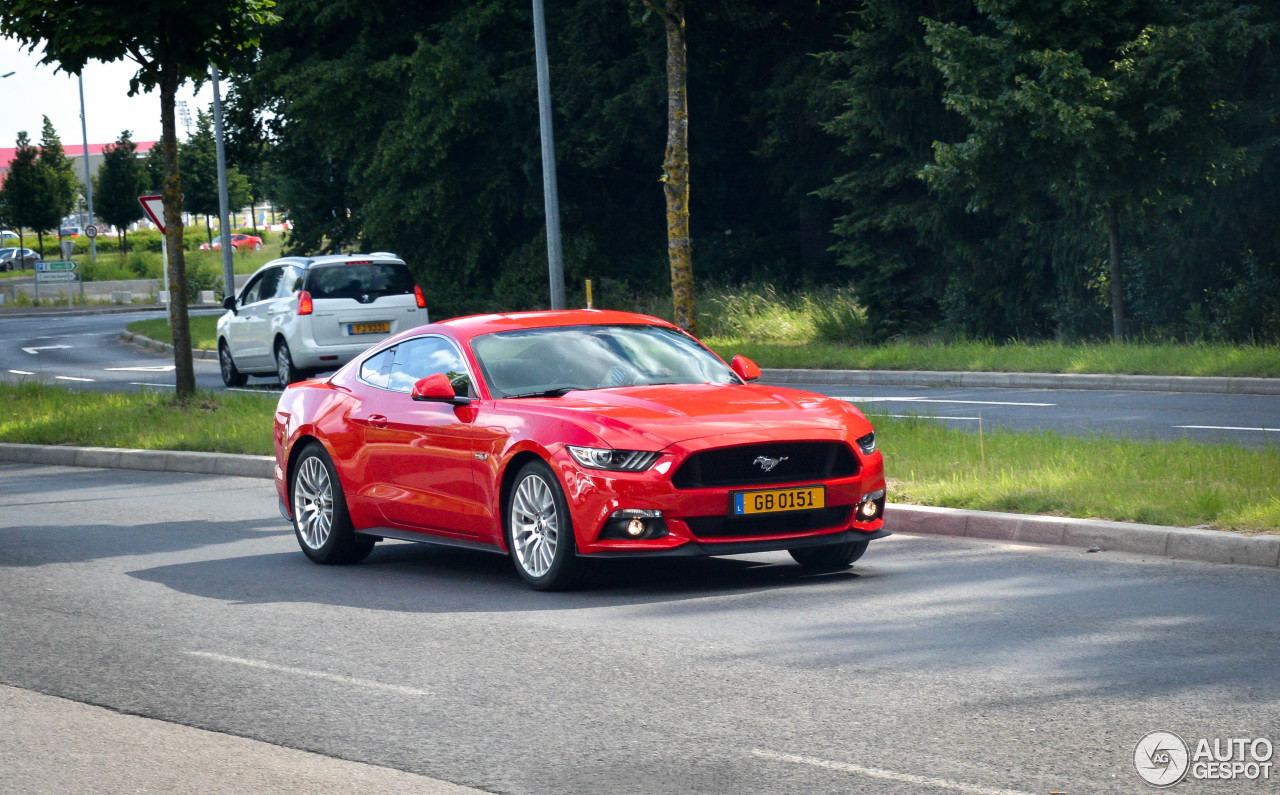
x=284, y=367
x=535, y=526
x=224, y=360
x=313, y=502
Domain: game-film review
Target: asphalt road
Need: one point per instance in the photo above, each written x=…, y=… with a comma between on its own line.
x=936, y=665
x=83, y=352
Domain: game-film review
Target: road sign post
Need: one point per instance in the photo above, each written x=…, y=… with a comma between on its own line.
x=154, y=207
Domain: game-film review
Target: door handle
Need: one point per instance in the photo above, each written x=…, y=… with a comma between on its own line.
x=377, y=421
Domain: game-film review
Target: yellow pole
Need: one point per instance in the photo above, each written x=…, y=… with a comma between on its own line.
x=589, y=306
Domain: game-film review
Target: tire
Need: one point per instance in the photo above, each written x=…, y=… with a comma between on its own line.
x=539, y=530
x=829, y=558
x=257, y=246
x=319, y=509
x=230, y=375
x=285, y=371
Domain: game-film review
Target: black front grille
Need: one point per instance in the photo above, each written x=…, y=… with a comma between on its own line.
x=788, y=523
x=737, y=466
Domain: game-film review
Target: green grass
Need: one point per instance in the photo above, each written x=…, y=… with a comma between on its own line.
x=1177, y=483
x=1170, y=483
x=1202, y=359
x=204, y=331
x=34, y=413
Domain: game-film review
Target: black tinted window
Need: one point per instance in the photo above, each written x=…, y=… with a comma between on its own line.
x=356, y=281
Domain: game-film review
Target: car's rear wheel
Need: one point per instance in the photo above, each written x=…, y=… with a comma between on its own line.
x=231, y=375
x=285, y=371
x=540, y=531
x=829, y=558
x=257, y=246
x=320, y=518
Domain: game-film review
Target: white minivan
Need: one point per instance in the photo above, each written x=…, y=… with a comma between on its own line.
x=301, y=315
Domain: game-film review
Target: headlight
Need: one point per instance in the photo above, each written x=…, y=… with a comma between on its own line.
x=867, y=444
x=614, y=460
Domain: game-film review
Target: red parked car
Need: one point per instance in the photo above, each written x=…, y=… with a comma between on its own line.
x=238, y=242
x=557, y=437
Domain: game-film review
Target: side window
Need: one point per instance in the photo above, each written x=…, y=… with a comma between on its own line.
x=290, y=282
x=270, y=281
x=417, y=359
x=252, y=291
x=374, y=369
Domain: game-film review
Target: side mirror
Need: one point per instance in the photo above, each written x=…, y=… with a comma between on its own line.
x=229, y=303
x=745, y=368
x=437, y=388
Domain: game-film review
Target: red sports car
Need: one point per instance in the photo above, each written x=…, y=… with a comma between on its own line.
x=558, y=437
x=239, y=242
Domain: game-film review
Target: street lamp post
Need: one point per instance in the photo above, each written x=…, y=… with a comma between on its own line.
x=550, y=194
x=88, y=179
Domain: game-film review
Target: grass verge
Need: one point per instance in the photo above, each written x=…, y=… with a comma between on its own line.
x=1169, y=483
x=32, y=413
x=1196, y=359
x=204, y=330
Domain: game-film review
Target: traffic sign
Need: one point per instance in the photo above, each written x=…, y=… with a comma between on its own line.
x=91, y=230
x=60, y=276
x=154, y=207
x=56, y=265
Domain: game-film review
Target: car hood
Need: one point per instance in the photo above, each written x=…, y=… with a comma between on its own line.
x=668, y=414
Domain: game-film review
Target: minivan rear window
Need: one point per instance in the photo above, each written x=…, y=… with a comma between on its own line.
x=374, y=279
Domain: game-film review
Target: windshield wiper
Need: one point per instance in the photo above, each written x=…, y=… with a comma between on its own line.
x=560, y=391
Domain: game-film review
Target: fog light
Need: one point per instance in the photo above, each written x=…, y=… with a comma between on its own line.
x=635, y=524
x=635, y=528
x=868, y=510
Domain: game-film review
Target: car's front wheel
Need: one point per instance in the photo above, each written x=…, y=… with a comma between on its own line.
x=257, y=246
x=285, y=371
x=319, y=508
x=231, y=375
x=540, y=531
x=829, y=558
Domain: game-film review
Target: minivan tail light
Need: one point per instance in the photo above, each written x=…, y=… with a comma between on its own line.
x=422, y=299
x=305, y=306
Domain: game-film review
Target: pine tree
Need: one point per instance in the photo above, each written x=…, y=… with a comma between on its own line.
x=121, y=179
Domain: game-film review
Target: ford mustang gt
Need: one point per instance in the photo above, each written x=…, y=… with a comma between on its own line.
x=559, y=437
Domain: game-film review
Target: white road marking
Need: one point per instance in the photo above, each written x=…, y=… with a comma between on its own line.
x=71, y=378
x=164, y=368
x=262, y=391
x=863, y=399
x=36, y=350
x=886, y=775
x=1213, y=427
x=144, y=383
x=21, y=372
x=285, y=669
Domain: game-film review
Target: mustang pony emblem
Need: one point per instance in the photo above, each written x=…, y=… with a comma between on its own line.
x=767, y=464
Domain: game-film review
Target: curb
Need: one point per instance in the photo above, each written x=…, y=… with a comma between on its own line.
x=157, y=345
x=1184, y=543
x=1222, y=385
x=234, y=464
x=1207, y=546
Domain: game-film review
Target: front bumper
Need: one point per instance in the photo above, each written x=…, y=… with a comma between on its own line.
x=698, y=520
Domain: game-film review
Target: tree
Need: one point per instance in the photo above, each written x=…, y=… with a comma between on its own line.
x=171, y=41
x=58, y=197
x=675, y=164
x=22, y=184
x=1109, y=108
x=121, y=179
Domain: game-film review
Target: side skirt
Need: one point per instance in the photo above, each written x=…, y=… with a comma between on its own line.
x=380, y=533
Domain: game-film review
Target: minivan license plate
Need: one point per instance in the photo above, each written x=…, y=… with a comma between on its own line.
x=774, y=500
x=369, y=328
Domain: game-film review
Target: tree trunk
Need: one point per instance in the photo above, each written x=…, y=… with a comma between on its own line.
x=253, y=214
x=208, y=228
x=184, y=371
x=1116, y=278
x=675, y=169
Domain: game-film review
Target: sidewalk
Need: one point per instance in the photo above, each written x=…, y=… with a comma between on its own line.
x=1183, y=543
x=68, y=747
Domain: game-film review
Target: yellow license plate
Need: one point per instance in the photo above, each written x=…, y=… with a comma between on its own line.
x=370, y=328
x=774, y=500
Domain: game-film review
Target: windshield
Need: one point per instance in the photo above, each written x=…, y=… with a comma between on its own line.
x=554, y=360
